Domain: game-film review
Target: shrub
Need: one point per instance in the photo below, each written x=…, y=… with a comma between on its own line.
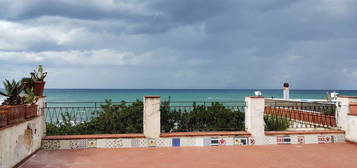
x=276, y=122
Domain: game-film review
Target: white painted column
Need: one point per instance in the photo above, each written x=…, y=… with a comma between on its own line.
x=41, y=112
x=254, y=118
x=345, y=120
x=151, y=116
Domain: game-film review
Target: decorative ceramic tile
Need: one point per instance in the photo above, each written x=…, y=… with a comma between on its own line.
x=126, y=143
x=301, y=139
x=206, y=141
x=188, y=141
x=251, y=141
x=92, y=143
x=101, y=143
x=214, y=141
x=176, y=142
x=114, y=143
x=51, y=144
x=270, y=140
x=151, y=142
x=339, y=138
x=321, y=139
x=311, y=139
x=241, y=141
x=328, y=139
x=74, y=144
x=139, y=142
x=82, y=144
x=229, y=141
x=164, y=142
x=65, y=144
x=283, y=139
x=222, y=142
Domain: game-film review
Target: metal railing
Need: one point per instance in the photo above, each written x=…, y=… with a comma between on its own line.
x=303, y=116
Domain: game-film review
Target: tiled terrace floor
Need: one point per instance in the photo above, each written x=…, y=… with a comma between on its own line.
x=342, y=155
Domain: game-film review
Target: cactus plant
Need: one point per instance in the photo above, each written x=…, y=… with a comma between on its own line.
x=38, y=75
x=12, y=92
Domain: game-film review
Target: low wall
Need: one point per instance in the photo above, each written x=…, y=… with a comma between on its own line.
x=190, y=139
x=304, y=137
x=138, y=140
x=20, y=140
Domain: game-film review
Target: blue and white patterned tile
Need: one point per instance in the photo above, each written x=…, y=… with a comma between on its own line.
x=126, y=143
x=82, y=144
x=339, y=138
x=113, y=143
x=74, y=144
x=164, y=142
x=151, y=142
x=138, y=143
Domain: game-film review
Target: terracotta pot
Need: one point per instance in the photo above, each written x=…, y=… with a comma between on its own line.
x=30, y=111
x=3, y=117
x=14, y=113
x=38, y=88
x=353, y=108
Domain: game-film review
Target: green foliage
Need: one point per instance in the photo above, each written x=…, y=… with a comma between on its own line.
x=121, y=118
x=30, y=97
x=12, y=92
x=128, y=118
x=330, y=112
x=276, y=122
x=215, y=117
x=38, y=75
x=28, y=84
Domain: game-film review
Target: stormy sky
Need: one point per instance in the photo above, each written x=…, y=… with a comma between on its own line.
x=312, y=44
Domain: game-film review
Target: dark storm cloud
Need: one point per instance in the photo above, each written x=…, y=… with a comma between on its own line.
x=184, y=43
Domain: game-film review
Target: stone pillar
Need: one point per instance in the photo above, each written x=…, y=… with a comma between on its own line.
x=254, y=118
x=41, y=112
x=151, y=116
x=345, y=118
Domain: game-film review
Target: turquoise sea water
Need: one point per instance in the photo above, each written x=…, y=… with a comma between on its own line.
x=222, y=95
x=99, y=95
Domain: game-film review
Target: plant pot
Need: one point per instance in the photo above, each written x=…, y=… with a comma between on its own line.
x=14, y=114
x=353, y=108
x=3, y=117
x=38, y=87
x=30, y=111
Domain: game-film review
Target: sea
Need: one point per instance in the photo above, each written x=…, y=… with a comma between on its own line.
x=179, y=95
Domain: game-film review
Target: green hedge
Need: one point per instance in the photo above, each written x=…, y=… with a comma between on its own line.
x=128, y=118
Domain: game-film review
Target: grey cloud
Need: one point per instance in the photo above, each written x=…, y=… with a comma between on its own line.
x=185, y=43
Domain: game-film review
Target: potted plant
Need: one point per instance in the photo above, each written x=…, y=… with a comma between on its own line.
x=12, y=109
x=30, y=103
x=38, y=81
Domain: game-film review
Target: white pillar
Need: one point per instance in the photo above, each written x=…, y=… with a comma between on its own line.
x=286, y=93
x=151, y=116
x=41, y=112
x=345, y=120
x=254, y=118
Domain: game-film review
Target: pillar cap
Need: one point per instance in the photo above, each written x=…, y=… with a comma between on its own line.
x=354, y=97
x=256, y=96
x=153, y=96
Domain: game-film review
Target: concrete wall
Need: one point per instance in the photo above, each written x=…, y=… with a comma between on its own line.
x=21, y=140
x=351, y=132
x=151, y=116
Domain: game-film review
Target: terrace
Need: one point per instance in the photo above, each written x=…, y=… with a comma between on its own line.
x=158, y=133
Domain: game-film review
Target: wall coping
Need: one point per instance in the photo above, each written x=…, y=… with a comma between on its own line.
x=95, y=136
x=18, y=123
x=304, y=132
x=153, y=96
x=355, y=97
x=218, y=133
x=176, y=134
x=256, y=96
x=350, y=114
